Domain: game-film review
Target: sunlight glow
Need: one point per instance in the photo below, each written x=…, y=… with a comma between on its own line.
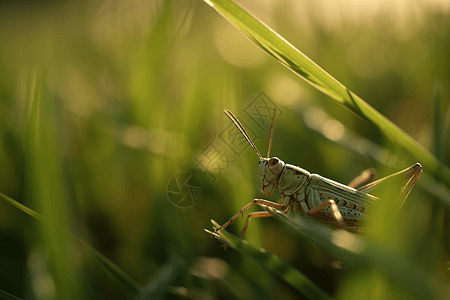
x=235, y=48
x=348, y=241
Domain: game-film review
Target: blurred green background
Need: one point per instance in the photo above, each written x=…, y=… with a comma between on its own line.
x=102, y=103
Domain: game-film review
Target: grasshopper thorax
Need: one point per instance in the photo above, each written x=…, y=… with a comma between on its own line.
x=269, y=171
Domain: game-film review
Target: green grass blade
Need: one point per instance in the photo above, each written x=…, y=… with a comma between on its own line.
x=438, y=128
x=127, y=284
x=358, y=251
x=116, y=274
x=7, y=296
x=43, y=180
x=274, y=44
x=273, y=264
x=21, y=207
x=162, y=281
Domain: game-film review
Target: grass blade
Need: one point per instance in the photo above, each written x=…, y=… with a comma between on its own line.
x=438, y=128
x=275, y=45
x=272, y=263
x=358, y=251
x=162, y=281
x=127, y=284
x=7, y=296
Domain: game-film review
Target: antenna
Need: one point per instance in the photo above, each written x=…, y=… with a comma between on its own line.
x=271, y=131
x=242, y=130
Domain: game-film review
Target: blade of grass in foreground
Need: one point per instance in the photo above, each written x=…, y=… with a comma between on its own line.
x=125, y=282
x=6, y=296
x=161, y=282
x=357, y=251
x=353, y=250
x=274, y=44
x=272, y=263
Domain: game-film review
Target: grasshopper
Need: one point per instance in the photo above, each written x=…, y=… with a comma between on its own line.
x=317, y=196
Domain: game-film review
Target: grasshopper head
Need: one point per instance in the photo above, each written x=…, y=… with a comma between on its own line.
x=269, y=170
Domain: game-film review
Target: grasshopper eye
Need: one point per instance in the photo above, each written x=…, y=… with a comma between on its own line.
x=273, y=161
x=276, y=165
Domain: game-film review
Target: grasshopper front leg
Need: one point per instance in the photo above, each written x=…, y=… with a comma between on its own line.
x=260, y=214
x=246, y=207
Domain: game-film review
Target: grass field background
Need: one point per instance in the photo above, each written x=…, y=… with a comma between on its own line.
x=103, y=105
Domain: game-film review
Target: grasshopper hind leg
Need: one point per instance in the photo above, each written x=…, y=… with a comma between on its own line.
x=414, y=173
x=367, y=176
x=335, y=213
x=408, y=175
